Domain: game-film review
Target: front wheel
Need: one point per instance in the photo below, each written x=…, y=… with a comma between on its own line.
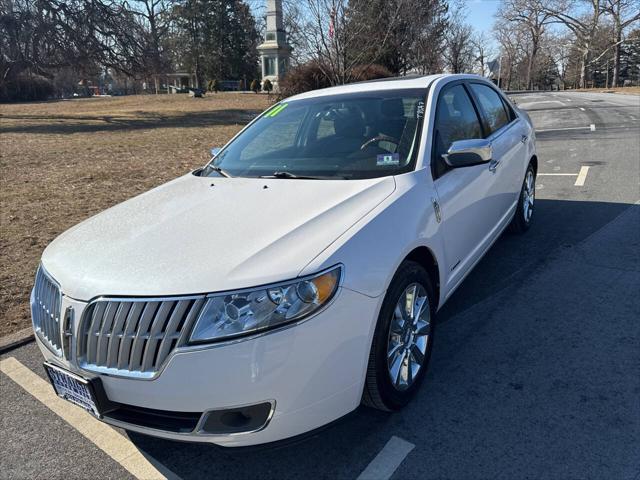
x=402, y=341
x=524, y=212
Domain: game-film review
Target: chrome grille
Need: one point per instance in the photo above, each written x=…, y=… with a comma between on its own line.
x=133, y=337
x=45, y=311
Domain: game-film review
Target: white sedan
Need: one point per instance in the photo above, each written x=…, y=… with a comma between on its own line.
x=295, y=276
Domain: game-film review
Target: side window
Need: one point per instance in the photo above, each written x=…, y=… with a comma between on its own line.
x=456, y=119
x=492, y=106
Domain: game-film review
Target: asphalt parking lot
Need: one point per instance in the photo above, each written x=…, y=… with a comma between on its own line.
x=535, y=368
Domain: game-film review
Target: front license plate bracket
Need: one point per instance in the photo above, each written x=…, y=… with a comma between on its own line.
x=88, y=394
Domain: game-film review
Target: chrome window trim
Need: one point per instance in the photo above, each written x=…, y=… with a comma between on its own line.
x=187, y=348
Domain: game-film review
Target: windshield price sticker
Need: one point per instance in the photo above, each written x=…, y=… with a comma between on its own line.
x=388, y=159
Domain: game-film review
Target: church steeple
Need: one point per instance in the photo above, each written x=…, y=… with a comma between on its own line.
x=274, y=52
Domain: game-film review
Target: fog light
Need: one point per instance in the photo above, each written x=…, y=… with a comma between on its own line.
x=237, y=420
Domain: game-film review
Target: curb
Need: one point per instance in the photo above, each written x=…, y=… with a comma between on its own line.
x=15, y=340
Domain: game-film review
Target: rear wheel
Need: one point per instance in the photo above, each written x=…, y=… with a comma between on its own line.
x=402, y=341
x=524, y=213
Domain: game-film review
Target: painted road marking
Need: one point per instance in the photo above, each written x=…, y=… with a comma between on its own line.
x=592, y=127
x=583, y=109
x=564, y=129
x=558, y=174
x=582, y=176
x=388, y=460
x=103, y=436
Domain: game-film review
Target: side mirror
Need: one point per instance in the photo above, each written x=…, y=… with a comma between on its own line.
x=465, y=153
x=215, y=151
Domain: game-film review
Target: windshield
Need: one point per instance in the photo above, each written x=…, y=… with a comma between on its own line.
x=348, y=136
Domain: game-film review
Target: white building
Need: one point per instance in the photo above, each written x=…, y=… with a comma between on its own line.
x=275, y=51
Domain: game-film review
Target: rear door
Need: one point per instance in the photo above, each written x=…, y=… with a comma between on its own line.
x=469, y=214
x=508, y=137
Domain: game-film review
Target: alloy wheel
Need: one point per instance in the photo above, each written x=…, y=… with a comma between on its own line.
x=408, y=336
x=528, y=196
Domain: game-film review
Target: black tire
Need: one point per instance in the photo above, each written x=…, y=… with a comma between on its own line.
x=379, y=391
x=522, y=222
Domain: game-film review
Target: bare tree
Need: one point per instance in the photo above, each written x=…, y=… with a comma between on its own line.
x=513, y=47
x=333, y=39
x=560, y=47
x=45, y=35
x=483, y=51
x=623, y=13
x=582, y=17
x=154, y=19
x=533, y=17
x=458, y=52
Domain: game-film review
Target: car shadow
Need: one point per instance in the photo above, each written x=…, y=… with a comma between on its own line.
x=441, y=418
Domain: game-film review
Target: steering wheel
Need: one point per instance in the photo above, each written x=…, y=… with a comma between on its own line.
x=380, y=138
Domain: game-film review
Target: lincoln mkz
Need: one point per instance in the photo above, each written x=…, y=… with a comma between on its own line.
x=295, y=276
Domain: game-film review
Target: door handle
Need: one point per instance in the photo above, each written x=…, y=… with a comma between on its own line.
x=524, y=139
x=493, y=165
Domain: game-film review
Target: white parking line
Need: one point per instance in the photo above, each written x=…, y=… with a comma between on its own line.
x=564, y=129
x=558, y=174
x=582, y=177
x=103, y=436
x=388, y=460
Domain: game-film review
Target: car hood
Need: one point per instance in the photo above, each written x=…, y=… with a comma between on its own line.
x=199, y=235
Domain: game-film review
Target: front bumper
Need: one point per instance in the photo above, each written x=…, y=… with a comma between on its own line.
x=312, y=373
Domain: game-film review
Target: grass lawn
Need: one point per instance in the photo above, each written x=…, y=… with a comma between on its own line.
x=63, y=161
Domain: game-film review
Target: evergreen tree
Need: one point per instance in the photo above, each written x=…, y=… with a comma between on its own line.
x=218, y=38
x=630, y=58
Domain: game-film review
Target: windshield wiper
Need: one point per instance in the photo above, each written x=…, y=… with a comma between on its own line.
x=289, y=175
x=219, y=170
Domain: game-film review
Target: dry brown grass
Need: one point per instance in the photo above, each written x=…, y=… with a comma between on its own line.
x=64, y=161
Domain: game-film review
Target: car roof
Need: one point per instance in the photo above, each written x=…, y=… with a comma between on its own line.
x=396, y=83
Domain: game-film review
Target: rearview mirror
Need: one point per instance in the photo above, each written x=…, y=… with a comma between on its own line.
x=215, y=151
x=465, y=153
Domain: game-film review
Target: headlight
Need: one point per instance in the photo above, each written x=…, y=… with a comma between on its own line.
x=251, y=311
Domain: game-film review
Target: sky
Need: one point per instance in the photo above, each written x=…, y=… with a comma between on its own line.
x=480, y=14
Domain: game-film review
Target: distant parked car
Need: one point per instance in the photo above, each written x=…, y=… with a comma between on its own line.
x=297, y=274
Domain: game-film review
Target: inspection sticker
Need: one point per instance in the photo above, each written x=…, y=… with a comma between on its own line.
x=387, y=159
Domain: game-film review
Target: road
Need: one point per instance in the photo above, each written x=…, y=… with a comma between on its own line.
x=535, y=366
